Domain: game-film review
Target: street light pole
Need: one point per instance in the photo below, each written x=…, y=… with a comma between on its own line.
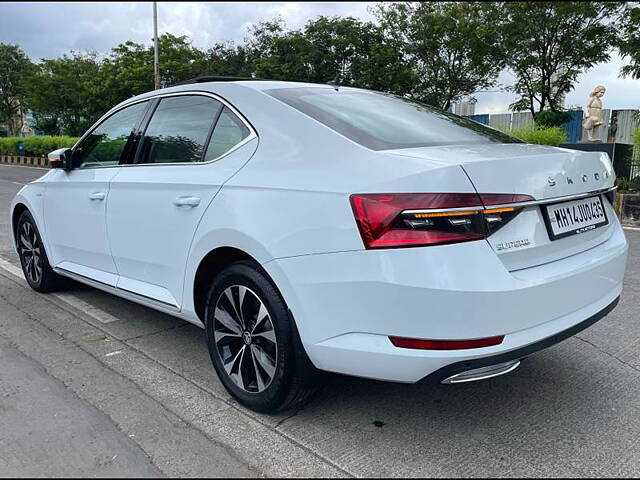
x=156, y=65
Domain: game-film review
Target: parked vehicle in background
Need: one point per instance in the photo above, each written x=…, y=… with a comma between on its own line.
x=312, y=228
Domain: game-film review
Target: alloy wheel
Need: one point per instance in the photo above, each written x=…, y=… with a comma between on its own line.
x=30, y=251
x=245, y=339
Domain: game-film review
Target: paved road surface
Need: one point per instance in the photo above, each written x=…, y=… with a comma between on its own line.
x=94, y=385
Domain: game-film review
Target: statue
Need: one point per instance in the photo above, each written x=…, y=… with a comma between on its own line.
x=593, y=118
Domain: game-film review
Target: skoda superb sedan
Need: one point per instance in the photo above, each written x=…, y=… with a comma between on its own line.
x=311, y=228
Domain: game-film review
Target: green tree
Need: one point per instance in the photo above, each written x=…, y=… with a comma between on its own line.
x=452, y=48
x=228, y=59
x=326, y=47
x=278, y=54
x=628, y=42
x=14, y=65
x=47, y=123
x=549, y=44
x=62, y=93
x=340, y=45
x=128, y=71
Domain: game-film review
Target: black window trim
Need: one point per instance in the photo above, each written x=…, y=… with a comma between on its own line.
x=142, y=127
x=210, y=134
x=133, y=136
x=146, y=117
x=137, y=158
x=252, y=132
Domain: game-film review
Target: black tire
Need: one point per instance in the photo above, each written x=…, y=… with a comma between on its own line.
x=33, y=257
x=295, y=379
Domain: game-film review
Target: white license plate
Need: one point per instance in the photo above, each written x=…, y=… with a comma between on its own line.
x=575, y=216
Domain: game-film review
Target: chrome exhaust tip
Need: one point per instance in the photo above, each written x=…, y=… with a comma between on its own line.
x=483, y=373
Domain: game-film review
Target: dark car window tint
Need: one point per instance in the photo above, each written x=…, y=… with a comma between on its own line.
x=105, y=145
x=228, y=132
x=179, y=129
x=382, y=121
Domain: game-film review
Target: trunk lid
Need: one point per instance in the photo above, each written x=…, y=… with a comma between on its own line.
x=541, y=172
x=523, y=168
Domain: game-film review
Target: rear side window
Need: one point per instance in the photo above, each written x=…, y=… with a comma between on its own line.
x=382, y=121
x=179, y=129
x=105, y=145
x=228, y=132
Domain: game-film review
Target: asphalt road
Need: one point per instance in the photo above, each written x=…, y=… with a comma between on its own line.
x=94, y=385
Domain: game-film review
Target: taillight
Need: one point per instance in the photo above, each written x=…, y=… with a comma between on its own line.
x=419, y=219
x=496, y=216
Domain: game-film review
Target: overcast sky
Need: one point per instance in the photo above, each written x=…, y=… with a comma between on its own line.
x=47, y=30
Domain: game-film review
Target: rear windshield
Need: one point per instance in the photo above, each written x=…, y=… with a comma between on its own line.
x=382, y=121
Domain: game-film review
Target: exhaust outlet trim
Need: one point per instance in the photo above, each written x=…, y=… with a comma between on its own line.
x=483, y=373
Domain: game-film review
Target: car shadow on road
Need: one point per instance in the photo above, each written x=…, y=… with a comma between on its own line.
x=565, y=411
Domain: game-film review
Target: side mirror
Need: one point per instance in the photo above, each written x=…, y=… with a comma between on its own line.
x=61, y=158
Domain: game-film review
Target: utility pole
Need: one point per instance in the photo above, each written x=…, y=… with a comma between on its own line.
x=156, y=65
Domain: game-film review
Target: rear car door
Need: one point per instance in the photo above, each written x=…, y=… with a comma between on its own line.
x=192, y=144
x=75, y=200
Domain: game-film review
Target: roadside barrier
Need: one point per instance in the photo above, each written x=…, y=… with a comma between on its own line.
x=29, y=161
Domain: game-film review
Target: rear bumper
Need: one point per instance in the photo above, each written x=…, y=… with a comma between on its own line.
x=519, y=353
x=347, y=304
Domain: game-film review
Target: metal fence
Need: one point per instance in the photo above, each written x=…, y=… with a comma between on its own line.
x=618, y=127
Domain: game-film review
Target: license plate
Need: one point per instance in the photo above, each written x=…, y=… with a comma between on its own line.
x=575, y=216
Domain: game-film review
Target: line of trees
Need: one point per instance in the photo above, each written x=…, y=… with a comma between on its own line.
x=436, y=52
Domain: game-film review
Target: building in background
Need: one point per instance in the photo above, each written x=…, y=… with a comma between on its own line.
x=554, y=89
x=24, y=124
x=465, y=108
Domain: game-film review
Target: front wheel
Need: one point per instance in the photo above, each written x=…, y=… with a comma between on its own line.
x=33, y=258
x=253, y=341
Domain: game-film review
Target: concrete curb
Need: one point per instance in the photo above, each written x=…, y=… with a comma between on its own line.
x=628, y=209
x=29, y=161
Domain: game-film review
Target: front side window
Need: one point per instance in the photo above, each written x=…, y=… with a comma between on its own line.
x=105, y=145
x=228, y=132
x=178, y=130
x=382, y=121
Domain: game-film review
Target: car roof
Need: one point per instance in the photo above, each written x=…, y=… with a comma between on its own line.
x=206, y=85
x=257, y=83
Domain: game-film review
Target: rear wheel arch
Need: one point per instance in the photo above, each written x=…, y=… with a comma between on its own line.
x=299, y=380
x=211, y=264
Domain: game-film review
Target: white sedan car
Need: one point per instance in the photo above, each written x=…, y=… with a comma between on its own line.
x=313, y=228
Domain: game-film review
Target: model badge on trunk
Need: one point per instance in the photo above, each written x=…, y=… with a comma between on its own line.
x=515, y=244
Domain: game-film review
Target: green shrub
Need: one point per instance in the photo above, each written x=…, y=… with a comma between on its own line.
x=634, y=184
x=549, y=118
x=34, y=145
x=636, y=144
x=622, y=183
x=553, y=136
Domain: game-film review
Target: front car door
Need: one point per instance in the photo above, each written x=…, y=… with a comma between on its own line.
x=75, y=200
x=192, y=144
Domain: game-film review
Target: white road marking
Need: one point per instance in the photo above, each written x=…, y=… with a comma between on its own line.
x=88, y=309
x=11, y=268
x=117, y=352
x=632, y=228
x=9, y=181
x=93, y=312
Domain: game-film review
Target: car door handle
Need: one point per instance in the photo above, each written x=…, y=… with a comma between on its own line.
x=97, y=196
x=187, y=201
